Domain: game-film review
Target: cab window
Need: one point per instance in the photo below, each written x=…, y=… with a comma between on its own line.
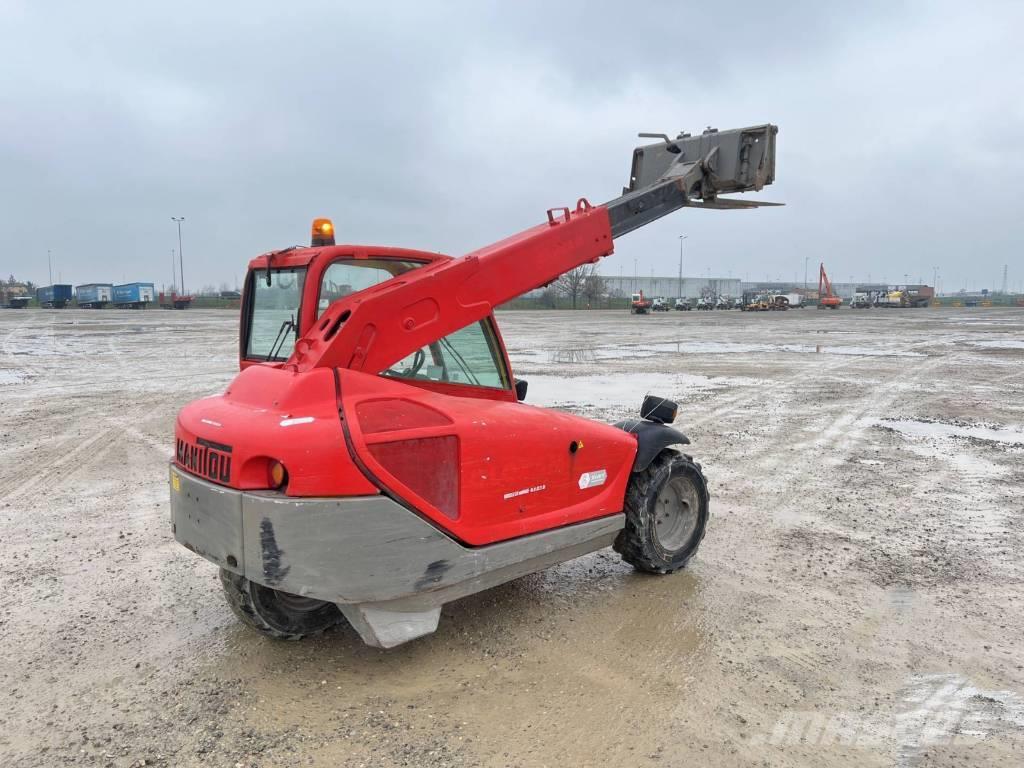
x=350, y=275
x=273, y=312
x=470, y=356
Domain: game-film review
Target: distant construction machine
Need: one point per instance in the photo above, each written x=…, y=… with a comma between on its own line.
x=173, y=300
x=826, y=298
x=639, y=305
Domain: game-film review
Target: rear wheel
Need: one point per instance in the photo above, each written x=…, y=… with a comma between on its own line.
x=666, y=514
x=280, y=615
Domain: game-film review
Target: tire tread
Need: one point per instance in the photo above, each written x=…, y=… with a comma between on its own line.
x=635, y=542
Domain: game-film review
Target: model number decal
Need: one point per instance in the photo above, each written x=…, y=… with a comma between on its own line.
x=524, y=491
x=593, y=479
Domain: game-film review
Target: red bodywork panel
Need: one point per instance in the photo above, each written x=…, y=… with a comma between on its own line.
x=483, y=469
x=269, y=414
x=517, y=471
x=472, y=460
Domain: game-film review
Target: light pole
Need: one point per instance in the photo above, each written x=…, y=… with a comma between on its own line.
x=173, y=278
x=49, y=265
x=181, y=259
x=681, y=238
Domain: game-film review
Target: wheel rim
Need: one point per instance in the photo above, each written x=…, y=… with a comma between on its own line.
x=675, y=514
x=295, y=603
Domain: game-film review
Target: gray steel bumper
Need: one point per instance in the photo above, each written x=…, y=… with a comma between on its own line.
x=388, y=569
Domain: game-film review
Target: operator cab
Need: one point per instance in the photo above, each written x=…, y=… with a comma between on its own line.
x=275, y=313
x=287, y=291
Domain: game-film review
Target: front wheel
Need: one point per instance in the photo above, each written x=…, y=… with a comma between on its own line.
x=666, y=514
x=280, y=615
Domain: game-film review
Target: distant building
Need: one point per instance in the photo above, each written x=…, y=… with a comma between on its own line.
x=669, y=287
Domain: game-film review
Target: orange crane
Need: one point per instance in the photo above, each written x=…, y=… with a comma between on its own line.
x=826, y=298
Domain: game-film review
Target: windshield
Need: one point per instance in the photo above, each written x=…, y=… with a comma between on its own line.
x=275, y=313
x=350, y=275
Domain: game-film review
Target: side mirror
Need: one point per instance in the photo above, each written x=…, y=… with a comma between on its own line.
x=521, y=389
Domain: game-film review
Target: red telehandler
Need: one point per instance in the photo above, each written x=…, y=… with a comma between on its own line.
x=374, y=460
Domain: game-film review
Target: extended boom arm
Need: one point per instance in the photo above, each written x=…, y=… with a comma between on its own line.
x=372, y=329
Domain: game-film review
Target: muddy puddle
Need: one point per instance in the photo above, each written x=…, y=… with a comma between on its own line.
x=625, y=352
x=937, y=430
x=622, y=390
x=999, y=344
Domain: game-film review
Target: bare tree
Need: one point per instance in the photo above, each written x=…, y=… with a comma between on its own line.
x=594, y=287
x=547, y=298
x=571, y=283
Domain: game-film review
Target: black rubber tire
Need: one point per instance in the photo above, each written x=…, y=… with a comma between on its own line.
x=266, y=610
x=638, y=541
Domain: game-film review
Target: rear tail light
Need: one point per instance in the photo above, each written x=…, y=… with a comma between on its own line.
x=278, y=474
x=428, y=466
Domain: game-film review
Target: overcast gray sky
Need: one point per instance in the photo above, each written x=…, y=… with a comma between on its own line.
x=446, y=128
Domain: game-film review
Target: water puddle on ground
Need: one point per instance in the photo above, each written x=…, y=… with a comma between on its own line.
x=938, y=430
x=609, y=391
x=624, y=351
x=8, y=376
x=999, y=344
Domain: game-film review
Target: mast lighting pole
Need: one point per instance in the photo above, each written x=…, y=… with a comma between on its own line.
x=181, y=258
x=681, y=238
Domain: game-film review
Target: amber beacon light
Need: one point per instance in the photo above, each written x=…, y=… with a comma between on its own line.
x=323, y=232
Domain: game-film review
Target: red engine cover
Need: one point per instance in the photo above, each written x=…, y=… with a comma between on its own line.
x=270, y=414
x=482, y=469
x=517, y=469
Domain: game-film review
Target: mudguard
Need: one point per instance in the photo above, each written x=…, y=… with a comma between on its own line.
x=651, y=438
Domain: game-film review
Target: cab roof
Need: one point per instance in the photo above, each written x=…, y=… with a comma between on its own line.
x=303, y=256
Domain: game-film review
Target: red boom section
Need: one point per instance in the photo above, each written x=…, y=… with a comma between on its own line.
x=374, y=328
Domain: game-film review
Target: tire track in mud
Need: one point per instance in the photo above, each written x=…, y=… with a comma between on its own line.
x=844, y=429
x=791, y=480
x=70, y=448
x=835, y=431
x=728, y=405
x=85, y=452
x=54, y=451
x=9, y=352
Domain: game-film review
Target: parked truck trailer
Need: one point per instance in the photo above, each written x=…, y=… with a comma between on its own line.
x=133, y=295
x=94, y=295
x=54, y=296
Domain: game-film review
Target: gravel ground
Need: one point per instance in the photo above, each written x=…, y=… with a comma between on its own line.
x=857, y=599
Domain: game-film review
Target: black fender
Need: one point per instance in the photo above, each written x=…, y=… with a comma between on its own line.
x=651, y=439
